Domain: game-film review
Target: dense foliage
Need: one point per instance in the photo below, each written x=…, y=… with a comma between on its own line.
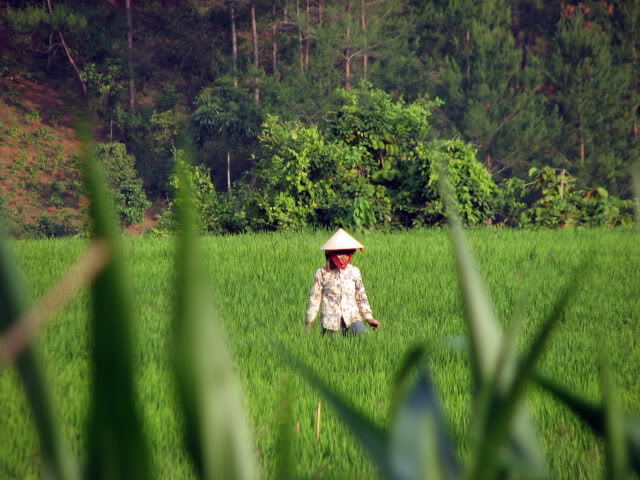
x=121, y=176
x=516, y=85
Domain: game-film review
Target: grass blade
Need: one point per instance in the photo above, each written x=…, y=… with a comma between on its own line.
x=117, y=447
x=217, y=435
x=372, y=438
x=524, y=369
x=56, y=459
x=595, y=417
x=25, y=329
x=419, y=444
x=615, y=449
x=493, y=363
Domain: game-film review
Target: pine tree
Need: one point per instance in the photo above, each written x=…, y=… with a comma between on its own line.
x=491, y=96
x=593, y=94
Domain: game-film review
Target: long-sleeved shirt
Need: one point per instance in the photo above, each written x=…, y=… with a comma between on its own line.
x=341, y=295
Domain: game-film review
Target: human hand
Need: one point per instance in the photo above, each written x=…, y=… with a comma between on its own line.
x=373, y=322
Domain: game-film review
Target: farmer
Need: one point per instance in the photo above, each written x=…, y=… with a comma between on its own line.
x=338, y=288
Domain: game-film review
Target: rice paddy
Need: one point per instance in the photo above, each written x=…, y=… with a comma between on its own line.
x=260, y=284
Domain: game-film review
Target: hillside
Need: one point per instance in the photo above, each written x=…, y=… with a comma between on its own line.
x=41, y=186
x=41, y=181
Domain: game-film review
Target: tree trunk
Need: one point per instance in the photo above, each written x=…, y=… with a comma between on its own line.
x=228, y=171
x=320, y=6
x=489, y=162
x=132, y=97
x=300, y=41
x=274, y=44
x=72, y=61
x=363, y=25
x=467, y=47
x=254, y=41
x=307, y=40
x=582, y=153
x=234, y=42
x=347, y=56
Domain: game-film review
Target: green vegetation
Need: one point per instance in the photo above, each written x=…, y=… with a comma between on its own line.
x=121, y=176
x=375, y=90
x=261, y=295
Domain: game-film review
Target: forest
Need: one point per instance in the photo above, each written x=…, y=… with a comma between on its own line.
x=325, y=113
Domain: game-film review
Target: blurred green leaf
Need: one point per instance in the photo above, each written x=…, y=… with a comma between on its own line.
x=419, y=444
x=217, y=435
x=372, y=438
x=117, y=446
x=56, y=459
x=595, y=417
x=615, y=449
x=493, y=361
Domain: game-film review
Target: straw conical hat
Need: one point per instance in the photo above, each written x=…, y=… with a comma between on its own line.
x=341, y=240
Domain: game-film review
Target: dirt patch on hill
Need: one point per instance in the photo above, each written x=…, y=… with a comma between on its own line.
x=41, y=181
x=40, y=175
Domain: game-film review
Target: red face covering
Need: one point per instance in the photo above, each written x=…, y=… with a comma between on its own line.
x=335, y=259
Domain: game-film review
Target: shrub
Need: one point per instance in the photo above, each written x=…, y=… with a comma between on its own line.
x=59, y=225
x=511, y=203
x=418, y=200
x=121, y=175
x=203, y=192
x=555, y=202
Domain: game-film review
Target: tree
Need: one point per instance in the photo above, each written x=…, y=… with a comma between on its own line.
x=132, y=98
x=42, y=23
x=490, y=95
x=225, y=115
x=592, y=93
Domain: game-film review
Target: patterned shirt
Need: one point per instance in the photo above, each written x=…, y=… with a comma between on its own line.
x=341, y=295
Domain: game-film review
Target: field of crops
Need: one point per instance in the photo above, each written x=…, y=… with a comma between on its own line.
x=260, y=284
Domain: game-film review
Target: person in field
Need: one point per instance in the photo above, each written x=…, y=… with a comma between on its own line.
x=338, y=290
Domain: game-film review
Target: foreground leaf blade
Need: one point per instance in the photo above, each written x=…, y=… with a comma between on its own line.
x=372, y=438
x=419, y=445
x=493, y=362
x=56, y=458
x=594, y=416
x=525, y=368
x=615, y=449
x=217, y=435
x=117, y=446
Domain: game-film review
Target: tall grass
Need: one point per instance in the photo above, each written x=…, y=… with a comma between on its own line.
x=174, y=372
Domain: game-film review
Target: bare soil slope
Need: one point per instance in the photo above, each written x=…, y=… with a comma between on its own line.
x=39, y=173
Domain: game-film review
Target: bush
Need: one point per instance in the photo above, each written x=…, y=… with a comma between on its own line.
x=204, y=198
x=511, y=203
x=550, y=200
x=59, y=225
x=418, y=201
x=121, y=175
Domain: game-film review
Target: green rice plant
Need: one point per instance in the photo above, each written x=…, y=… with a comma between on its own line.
x=57, y=463
x=117, y=446
x=216, y=434
x=501, y=436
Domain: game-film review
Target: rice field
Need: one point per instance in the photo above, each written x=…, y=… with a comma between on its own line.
x=260, y=284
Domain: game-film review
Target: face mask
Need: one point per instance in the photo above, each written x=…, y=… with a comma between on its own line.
x=335, y=259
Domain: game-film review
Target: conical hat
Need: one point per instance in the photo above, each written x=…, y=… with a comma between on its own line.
x=341, y=240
